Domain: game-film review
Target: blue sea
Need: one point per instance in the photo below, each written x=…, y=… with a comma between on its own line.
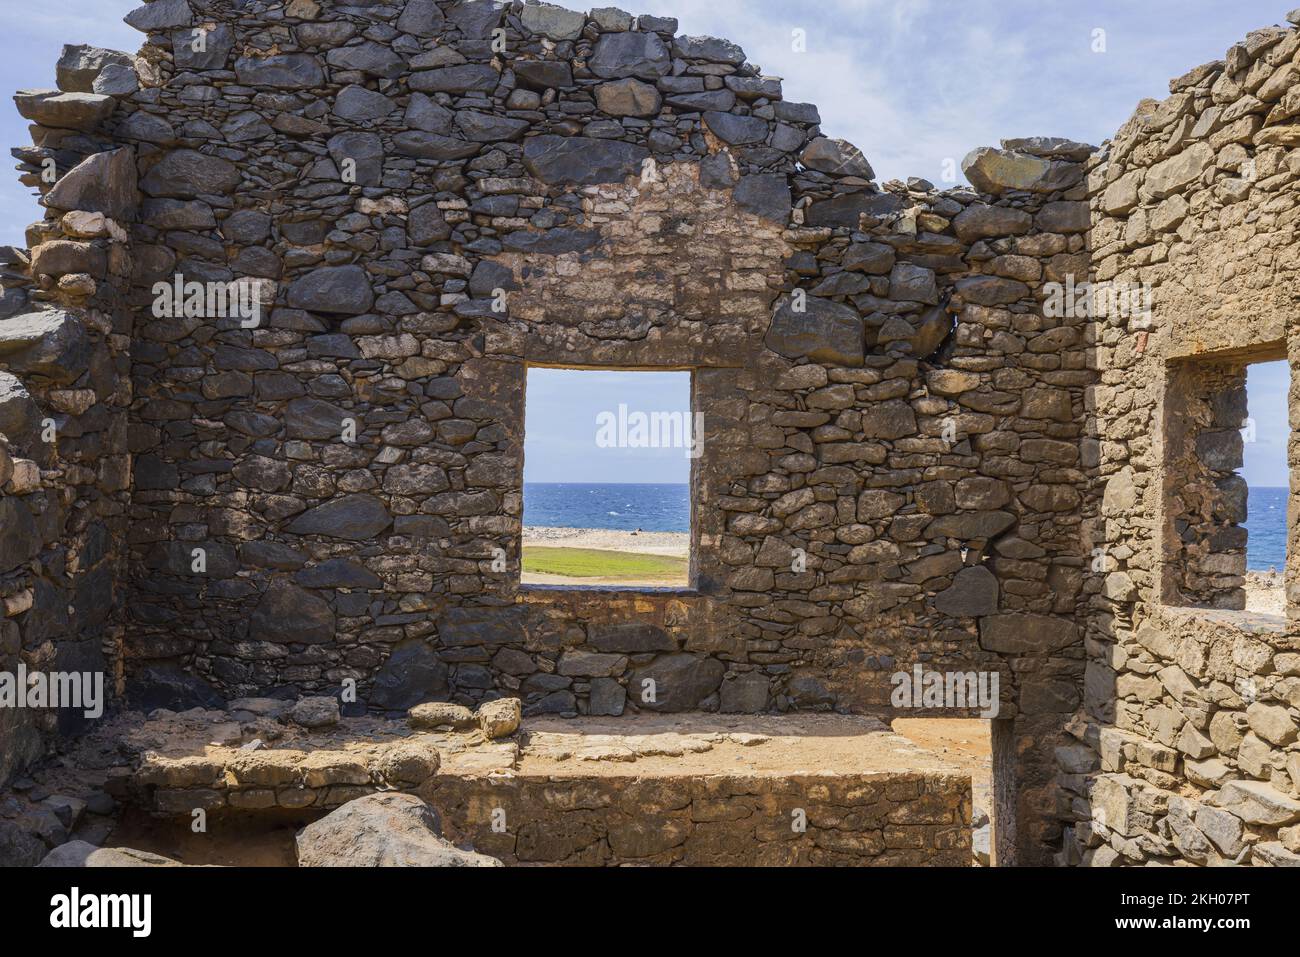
x=651, y=508
x=1266, y=522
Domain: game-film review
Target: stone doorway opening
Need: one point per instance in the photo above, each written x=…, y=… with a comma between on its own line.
x=967, y=744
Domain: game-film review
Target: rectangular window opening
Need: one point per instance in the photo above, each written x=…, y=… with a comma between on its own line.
x=609, y=474
x=1227, y=481
x=1265, y=472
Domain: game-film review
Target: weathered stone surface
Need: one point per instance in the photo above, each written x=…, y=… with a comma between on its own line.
x=51, y=343
x=996, y=171
x=79, y=64
x=736, y=130
x=837, y=157
x=187, y=173
x=581, y=161
x=78, y=853
x=72, y=111
x=282, y=71
x=619, y=55
x=766, y=194
x=973, y=592
x=316, y=711
x=680, y=682
x=628, y=97
x=382, y=830
x=552, y=21
x=288, y=614
x=499, y=718
x=433, y=715
x=333, y=289
x=412, y=673
x=1022, y=634
x=824, y=331
x=357, y=517
x=160, y=15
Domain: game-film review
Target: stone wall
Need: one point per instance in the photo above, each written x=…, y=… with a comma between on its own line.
x=1188, y=738
x=65, y=476
x=429, y=197
x=881, y=387
x=883, y=820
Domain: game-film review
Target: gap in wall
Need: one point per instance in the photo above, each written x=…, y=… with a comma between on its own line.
x=607, y=478
x=1265, y=434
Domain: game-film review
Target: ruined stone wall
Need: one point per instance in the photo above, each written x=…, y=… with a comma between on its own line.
x=882, y=389
x=883, y=820
x=64, y=393
x=1188, y=738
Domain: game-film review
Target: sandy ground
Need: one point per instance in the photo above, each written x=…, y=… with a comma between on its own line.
x=1264, y=593
x=675, y=544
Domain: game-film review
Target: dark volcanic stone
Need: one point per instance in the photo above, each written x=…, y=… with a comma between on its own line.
x=288, y=615
x=825, y=331
x=467, y=77
x=681, y=682
x=845, y=209
x=580, y=160
x=543, y=74
x=338, y=573
x=184, y=174
x=334, y=289
x=973, y=592
x=641, y=55
x=412, y=674
x=767, y=194
x=424, y=145
x=736, y=130
x=480, y=626
x=284, y=71
x=166, y=684
x=356, y=517
x=630, y=638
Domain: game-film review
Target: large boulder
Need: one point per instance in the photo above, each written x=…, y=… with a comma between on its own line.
x=79, y=64
x=50, y=343
x=997, y=171
x=184, y=174
x=288, y=614
x=383, y=830
x=580, y=160
x=618, y=55
x=837, y=157
x=681, y=682
x=101, y=183
x=333, y=289
x=66, y=111
x=356, y=517
x=83, y=854
x=824, y=331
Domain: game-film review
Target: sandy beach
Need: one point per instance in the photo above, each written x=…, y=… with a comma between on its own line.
x=1264, y=593
x=674, y=544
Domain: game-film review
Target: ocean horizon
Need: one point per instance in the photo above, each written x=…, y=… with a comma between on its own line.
x=1266, y=527
x=621, y=506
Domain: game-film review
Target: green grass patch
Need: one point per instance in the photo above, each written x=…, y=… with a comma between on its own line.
x=600, y=563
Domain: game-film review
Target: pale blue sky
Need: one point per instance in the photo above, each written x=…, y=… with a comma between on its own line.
x=560, y=431
x=1266, y=392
